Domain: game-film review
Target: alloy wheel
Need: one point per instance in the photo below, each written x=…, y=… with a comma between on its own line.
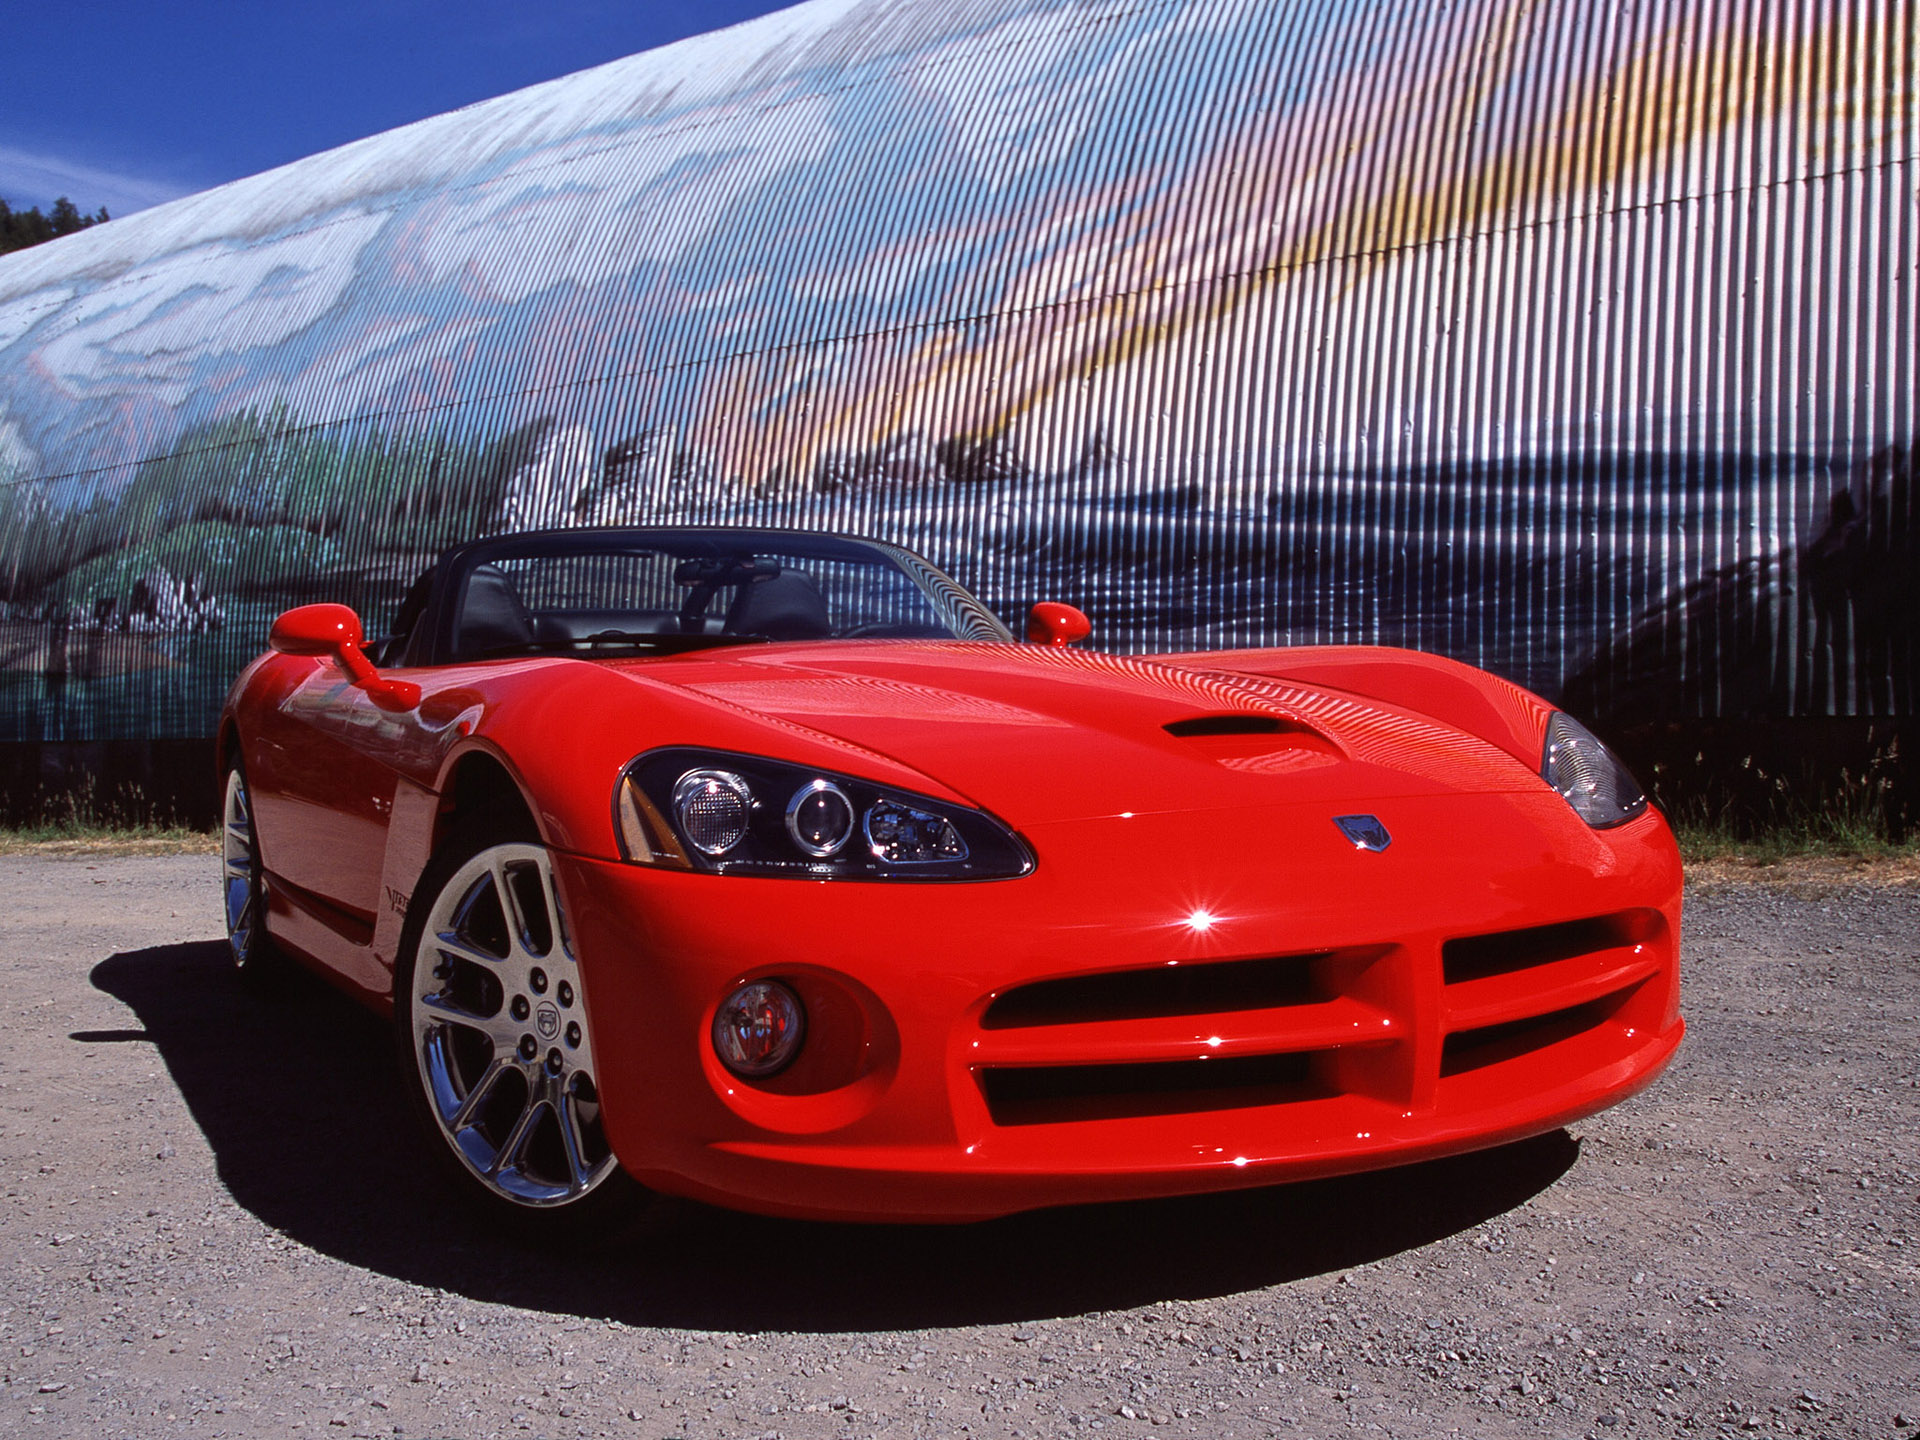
x=499, y=1032
x=240, y=872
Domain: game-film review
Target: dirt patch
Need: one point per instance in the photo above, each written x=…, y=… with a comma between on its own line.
x=216, y=1222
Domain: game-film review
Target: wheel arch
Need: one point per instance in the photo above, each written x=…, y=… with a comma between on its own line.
x=480, y=789
x=226, y=747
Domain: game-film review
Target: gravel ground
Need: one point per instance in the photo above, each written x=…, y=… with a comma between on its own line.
x=215, y=1222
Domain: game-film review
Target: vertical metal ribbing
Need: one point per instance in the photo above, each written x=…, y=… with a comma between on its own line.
x=1503, y=328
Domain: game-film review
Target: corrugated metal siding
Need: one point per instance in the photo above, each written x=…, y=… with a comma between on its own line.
x=1578, y=342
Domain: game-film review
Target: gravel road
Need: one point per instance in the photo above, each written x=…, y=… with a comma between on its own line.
x=216, y=1222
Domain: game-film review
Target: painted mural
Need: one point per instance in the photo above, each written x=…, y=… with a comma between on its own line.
x=1574, y=341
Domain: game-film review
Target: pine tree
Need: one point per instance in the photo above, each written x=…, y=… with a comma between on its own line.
x=21, y=228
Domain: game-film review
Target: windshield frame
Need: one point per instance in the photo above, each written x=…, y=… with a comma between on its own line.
x=434, y=638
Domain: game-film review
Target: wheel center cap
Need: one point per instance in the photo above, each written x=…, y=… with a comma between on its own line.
x=546, y=1019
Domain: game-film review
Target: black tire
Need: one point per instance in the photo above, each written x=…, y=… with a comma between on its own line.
x=243, y=886
x=493, y=1043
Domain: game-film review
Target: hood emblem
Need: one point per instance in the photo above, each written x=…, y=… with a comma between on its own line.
x=1365, y=831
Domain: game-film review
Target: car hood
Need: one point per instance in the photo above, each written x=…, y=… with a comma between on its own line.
x=1039, y=734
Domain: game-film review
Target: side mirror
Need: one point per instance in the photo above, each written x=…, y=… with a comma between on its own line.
x=317, y=630
x=334, y=630
x=1050, y=623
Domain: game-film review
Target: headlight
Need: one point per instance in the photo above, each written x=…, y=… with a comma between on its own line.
x=730, y=814
x=712, y=807
x=1584, y=771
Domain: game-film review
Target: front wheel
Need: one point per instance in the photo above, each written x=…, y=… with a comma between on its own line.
x=495, y=1043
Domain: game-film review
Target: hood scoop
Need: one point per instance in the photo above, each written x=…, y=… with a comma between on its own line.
x=1200, y=725
x=1241, y=741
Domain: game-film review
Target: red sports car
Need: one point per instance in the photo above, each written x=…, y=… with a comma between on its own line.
x=768, y=867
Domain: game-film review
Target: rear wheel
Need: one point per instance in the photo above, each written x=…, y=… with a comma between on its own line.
x=495, y=1041
x=244, y=889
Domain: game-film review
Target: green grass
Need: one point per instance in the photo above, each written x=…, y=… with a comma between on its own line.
x=1813, y=839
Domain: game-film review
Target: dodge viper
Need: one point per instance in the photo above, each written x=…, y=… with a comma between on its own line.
x=769, y=868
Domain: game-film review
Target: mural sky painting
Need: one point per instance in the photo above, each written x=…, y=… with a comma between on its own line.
x=1578, y=342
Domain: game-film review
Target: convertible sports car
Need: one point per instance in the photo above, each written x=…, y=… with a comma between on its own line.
x=767, y=867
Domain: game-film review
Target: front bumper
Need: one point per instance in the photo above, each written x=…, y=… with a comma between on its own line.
x=1169, y=1004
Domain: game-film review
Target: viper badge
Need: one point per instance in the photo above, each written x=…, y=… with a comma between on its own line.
x=1365, y=831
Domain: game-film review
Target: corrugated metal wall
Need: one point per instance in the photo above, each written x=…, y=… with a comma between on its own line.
x=1578, y=342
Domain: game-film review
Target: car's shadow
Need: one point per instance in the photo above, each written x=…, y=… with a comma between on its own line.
x=298, y=1096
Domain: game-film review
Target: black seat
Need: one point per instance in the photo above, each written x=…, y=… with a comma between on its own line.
x=492, y=619
x=787, y=606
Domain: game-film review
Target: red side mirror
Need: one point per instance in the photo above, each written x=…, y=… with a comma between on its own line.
x=317, y=630
x=335, y=630
x=1050, y=623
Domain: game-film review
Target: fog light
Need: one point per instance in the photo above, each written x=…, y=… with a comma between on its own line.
x=758, y=1028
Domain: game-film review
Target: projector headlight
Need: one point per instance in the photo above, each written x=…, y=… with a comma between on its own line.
x=1588, y=777
x=729, y=814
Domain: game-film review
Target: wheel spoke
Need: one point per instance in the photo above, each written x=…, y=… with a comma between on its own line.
x=555, y=926
x=513, y=1149
x=239, y=903
x=517, y=929
x=567, y=1110
x=441, y=1010
x=457, y=947
x=477, y=1097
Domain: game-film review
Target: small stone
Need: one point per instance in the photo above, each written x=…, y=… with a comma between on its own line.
x=1023, y=1335
x=1125, y=1412
x=53, y=1387
x=165, y=1152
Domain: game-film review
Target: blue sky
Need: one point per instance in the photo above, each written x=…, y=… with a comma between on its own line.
x=127, y=103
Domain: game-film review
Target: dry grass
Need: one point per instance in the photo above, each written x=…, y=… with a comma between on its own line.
x=90, y=842
x=1807, y=872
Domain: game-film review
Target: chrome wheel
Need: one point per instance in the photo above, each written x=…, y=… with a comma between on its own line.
x=240, y=874
x=498, y=1031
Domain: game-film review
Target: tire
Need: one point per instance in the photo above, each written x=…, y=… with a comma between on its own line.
x=494, y=1046
x=243, y=885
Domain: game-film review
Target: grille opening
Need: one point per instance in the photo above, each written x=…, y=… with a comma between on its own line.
x=1470, y=1050
x=1165, y=990
x=1227, y=725
x=1048, y=1094
x=1479, y=957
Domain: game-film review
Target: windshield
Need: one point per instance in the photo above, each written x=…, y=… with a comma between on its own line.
x=654, y=591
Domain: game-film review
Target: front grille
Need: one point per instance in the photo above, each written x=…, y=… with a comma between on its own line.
x=1480, y=957
x=1462, y=1022
x=1469, y=1050
x=1040, y=1095
x=1169, y=990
